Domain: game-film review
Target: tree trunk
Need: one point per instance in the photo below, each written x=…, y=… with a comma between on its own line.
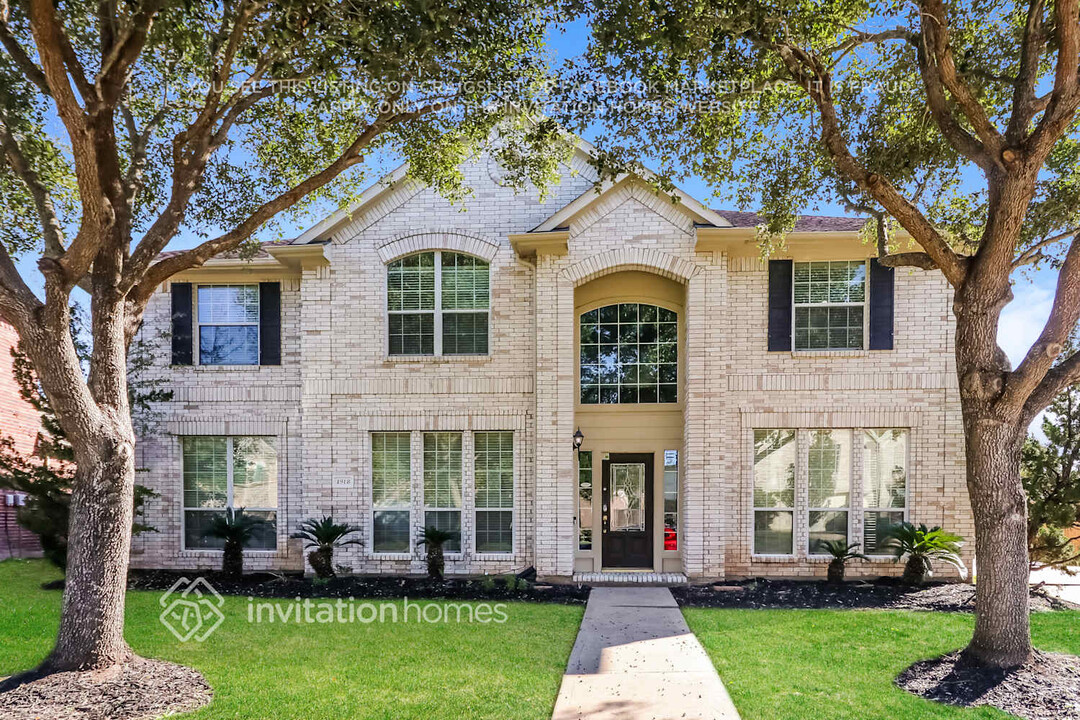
x=916, y=570
x=322, y=562
x=1002, y=633
x=99, y=542
x=232, y=559
x=435, y=562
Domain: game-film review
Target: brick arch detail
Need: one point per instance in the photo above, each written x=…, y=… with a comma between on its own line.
x=623, y=259
x=453, y=239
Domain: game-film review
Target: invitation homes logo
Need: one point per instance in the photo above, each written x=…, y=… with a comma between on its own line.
x=192, y=609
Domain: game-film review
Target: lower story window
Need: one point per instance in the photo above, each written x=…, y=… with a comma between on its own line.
x=671, y=499
x=442, y=485
x=585, y=498
x=829, y=476
x=391, y=494
x=494, y=479
x=774, y=491
x=884, y=486
x=223, y=473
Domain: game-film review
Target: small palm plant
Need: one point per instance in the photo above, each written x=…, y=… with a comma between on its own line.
x=321, y=537
x=236, y=529
x=841, y=551
x=434, y=539
x=923, y=546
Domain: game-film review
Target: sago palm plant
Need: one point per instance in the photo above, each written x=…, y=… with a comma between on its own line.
x=841, y=551
x=321, y=537
x=236, y=529
x=434, y=539
x=923, y=546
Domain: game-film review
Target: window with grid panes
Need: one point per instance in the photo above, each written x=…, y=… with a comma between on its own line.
x=391, y=492
x=829, y=478
x=585, y=500
x=229, y=472
x=629, y=354
x=774, y=491
x=227, y=317
x=494, y=484
x=442, y=485
x=884, y=486
x=438, y=303
x=829, y=299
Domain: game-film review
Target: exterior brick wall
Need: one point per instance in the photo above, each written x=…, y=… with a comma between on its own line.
x=20, y=422
x=337, y=384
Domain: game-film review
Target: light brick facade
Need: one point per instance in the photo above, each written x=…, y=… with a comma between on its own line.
x=337, y=383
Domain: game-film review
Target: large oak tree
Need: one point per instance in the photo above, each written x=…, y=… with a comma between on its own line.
x=123, y=124
x=955, y=120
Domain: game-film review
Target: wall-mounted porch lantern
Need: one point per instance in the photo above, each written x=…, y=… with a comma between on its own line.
x=578, y=438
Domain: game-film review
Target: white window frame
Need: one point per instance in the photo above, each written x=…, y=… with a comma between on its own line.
x=408, y=507
x=865, y=305
x=460, y=510
x=862, y=485
x=793, y=509
x=848, y=509
x=197, y=325
x=513, y=503
x=184, y=509
x=437, y=311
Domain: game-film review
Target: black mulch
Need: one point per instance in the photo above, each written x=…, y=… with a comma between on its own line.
x=885, y=593
x=1047, y=688
x=139, y=690
x=275, y=585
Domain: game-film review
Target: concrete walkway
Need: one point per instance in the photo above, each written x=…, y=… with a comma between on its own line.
x=636, y=659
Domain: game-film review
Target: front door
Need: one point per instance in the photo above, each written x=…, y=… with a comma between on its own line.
x=627, y=516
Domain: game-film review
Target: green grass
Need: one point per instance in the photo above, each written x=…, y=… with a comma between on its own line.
x=259, y=671
x=840, y=664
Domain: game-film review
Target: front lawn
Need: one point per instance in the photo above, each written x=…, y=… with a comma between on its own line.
x=376, y=670
x=840, y=664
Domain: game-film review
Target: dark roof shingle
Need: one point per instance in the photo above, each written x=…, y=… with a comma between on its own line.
x=805, y=223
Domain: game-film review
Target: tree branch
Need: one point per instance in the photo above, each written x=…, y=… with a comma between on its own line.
x=28, y=67
x=164, y=269
x=116, y=65
x=935, y=34
x=1025, y=103
x=1034, y=252
x=52, y=232
x=1037, y=368
x=1064, y=97
x=817, y=83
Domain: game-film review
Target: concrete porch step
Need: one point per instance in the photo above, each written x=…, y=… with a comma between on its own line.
x=629, y=578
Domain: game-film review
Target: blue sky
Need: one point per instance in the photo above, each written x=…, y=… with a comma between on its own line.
x=1021, y=322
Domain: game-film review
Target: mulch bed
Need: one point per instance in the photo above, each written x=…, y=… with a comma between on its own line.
x=1047, y=688
x=885, y=594
x=275, y=585
x=138, y=690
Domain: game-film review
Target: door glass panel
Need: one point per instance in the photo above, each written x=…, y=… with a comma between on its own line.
x=628, y=497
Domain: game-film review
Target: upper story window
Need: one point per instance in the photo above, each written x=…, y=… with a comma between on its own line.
x=438, y=304
x=830, y=301
x=228, y=324
x=629, y=354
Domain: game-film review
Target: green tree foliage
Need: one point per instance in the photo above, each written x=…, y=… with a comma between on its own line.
x=1051, y=474
x=321, y=537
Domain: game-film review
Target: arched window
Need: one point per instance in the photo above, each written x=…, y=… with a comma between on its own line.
x=438, y=304
x=629, y=354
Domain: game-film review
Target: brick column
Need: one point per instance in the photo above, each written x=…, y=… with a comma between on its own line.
x=698, y=506
x=555, y=384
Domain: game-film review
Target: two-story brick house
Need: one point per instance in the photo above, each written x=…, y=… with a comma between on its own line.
x=412, y=362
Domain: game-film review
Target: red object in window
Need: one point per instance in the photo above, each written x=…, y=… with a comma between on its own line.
x=671, y=539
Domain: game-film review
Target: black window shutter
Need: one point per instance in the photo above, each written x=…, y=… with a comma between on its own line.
x=269, y=323
x=181, y=323
x=780, y=304
x=881, y=306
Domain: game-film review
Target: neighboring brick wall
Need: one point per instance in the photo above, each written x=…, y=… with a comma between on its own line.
x=20, y=422
x=336, y=384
